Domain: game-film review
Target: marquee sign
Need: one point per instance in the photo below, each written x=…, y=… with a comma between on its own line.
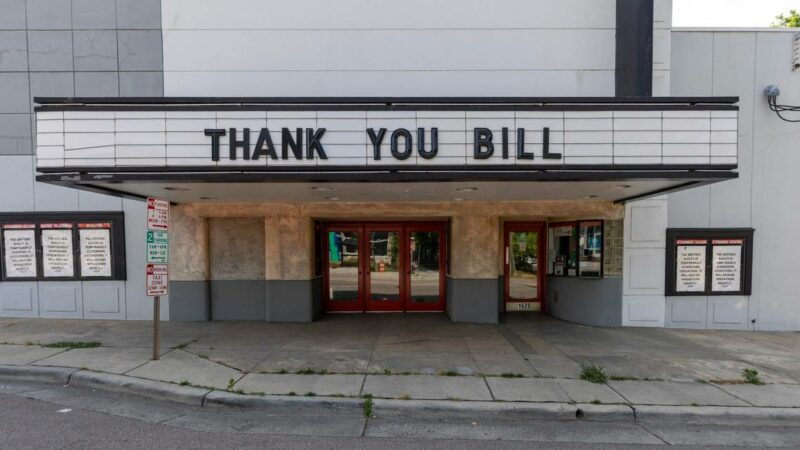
x=374, y=135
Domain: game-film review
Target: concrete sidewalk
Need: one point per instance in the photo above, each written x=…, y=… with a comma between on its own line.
x=528, y=359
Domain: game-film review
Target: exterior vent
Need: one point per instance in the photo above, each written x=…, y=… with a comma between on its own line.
x=796, y=52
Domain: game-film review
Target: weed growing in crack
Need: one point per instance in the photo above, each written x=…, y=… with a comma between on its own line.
x=593, y=374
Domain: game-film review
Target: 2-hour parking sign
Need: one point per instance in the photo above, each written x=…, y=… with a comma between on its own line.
x=157, y=247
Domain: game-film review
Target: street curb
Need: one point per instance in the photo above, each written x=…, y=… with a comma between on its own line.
x=203, y=397
x=719, y=415
x=222, y=399
x=159, y=390
x=58, y=375
x=530, y=410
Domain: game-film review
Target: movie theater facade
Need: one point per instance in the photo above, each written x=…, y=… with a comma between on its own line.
x=288, y=208
x=576, y=158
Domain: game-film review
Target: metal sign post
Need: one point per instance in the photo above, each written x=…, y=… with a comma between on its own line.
x=157, y=258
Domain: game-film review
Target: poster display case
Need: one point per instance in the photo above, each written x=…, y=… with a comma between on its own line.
x=709, y=261
x=59, y=246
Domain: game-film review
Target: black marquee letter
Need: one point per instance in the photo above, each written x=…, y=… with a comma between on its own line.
x=376, y=142
x=288, y=142
x=505, y=143
x=434, y=143
x=215, y=134
x=259, y=150
x=546, y=145
x=482, y=139
x=313, y=143
x=406, y=135
x=521, y=153
x=244, y=143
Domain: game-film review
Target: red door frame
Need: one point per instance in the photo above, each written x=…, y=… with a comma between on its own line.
x=441, y=227
x=361, y=303
x=356, y=304
x=383, y=305
x=541, y=260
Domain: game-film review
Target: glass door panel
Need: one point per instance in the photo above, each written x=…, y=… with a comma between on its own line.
x=424, y=265
x=523, y=266
x=384, y=270
x=343, y=269
x=524, y=254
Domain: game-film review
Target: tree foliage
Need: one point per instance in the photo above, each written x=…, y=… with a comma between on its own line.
x=791, y=20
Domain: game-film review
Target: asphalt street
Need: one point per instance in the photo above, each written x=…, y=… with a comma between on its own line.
x=57, y=417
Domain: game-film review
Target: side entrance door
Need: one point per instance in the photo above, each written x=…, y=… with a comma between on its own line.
x=384, y=266
x=524, y=265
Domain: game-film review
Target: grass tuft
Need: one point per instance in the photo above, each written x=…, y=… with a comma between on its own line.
x=593, y=374
x=512, y=375
x=231, y=382
x=448, y=373
x=751, y=376
x=368, y=406
x=71, y=345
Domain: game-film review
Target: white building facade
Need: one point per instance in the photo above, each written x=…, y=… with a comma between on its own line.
x=664, y=141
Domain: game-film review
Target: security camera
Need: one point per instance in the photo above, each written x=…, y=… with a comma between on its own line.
x=772, y=91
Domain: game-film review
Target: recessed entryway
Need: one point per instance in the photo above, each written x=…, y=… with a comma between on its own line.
x=524, y=259
x=384, y=266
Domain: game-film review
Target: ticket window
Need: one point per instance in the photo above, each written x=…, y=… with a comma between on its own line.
x=576, y=249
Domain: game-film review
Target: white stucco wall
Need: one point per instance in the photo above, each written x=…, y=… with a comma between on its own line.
x=765, y=197
x=391, y=48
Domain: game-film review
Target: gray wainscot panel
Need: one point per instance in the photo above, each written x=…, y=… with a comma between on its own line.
x=728, y=312
x=293, y=300
x=61, y=299
x=189, y=301
x=104, y=299
x=686, y=312
x=238, y=300
x=473, y=300
x=19, y=299
x=588, y=301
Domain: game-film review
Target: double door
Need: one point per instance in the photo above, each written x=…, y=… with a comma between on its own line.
x=392, y=266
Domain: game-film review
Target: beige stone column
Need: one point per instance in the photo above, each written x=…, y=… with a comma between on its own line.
x=474, y=243
x=289, y=247
x=188, y=244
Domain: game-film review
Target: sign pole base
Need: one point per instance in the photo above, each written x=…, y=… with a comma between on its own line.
x=156, y=326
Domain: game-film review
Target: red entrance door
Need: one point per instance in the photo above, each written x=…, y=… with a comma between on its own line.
x=524, y=265
x=391, y=266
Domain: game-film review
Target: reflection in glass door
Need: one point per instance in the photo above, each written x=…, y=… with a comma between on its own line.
x=392, y=266
x=344, y=269
x=523, y=253
x=384, y=269
x=425, y=269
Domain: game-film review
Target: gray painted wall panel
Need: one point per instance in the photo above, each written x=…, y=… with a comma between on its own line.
x=687, y=312
x=61, y=36
x=189, y=301
x=60, y=299
x=293, y=300
x=238, y=300
x=20, y=299
x=16, y=178
x=473, y=300
x=103, y=299
x=596, y=302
